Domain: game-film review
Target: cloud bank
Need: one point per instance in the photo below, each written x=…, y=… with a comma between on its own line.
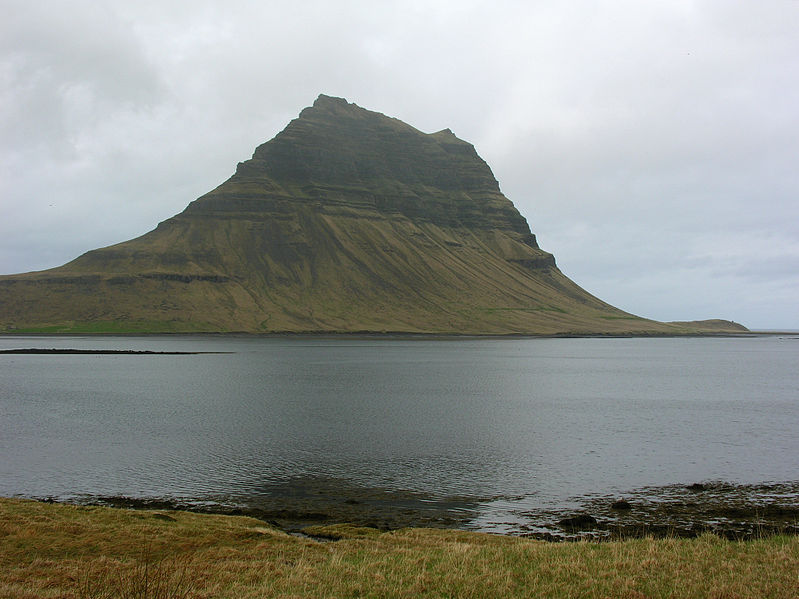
x=651, y=146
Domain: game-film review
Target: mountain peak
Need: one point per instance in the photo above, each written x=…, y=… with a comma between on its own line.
x=330, y=105
x=336, y=150
x=325, y=101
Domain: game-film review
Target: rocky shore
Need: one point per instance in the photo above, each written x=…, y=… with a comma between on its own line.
x=735, y=512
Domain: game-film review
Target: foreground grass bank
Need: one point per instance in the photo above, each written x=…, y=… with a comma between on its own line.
x=50, y=550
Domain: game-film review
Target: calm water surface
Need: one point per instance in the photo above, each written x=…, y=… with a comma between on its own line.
x=536, y=420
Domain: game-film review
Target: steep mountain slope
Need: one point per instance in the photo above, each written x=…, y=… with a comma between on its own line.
x=346, y=221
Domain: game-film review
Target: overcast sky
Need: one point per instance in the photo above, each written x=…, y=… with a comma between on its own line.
x=652, y=146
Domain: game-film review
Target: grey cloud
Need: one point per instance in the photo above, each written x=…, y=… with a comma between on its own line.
x=63, y=75
x=651, y=146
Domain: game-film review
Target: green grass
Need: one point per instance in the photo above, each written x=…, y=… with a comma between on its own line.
x=628, y=317
x=118, y=327
x=81, y=552
x=489, y=310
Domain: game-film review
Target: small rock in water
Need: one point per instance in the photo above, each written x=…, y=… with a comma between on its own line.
x=578, y=521
x=621, y=504
x=697, y=487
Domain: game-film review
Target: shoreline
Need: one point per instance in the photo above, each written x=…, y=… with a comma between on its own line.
x=405, y=335
x=731, y=511
x=93, y=552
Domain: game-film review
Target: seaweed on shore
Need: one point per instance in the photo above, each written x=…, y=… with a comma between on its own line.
x=735, y=512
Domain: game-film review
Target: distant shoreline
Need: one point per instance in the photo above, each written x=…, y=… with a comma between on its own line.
x=404, y=335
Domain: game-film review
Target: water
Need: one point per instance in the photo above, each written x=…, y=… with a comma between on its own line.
x=513, y=423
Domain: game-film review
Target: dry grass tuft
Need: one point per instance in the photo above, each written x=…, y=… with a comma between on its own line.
x=145, y=578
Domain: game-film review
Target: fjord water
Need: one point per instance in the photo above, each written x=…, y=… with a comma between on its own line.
x=540, y=420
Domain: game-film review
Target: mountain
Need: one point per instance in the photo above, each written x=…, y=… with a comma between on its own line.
x=346, y=221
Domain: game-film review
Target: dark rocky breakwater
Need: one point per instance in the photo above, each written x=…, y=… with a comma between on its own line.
x=60, y=351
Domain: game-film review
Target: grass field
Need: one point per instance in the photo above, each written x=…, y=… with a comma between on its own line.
x=51, y=550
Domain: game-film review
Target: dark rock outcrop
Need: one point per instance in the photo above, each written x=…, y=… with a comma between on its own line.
x=578, y=521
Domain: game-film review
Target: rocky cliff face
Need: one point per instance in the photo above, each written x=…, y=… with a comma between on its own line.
x=346, y=221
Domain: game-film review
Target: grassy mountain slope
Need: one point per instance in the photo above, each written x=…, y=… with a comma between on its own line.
x=346, y=221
